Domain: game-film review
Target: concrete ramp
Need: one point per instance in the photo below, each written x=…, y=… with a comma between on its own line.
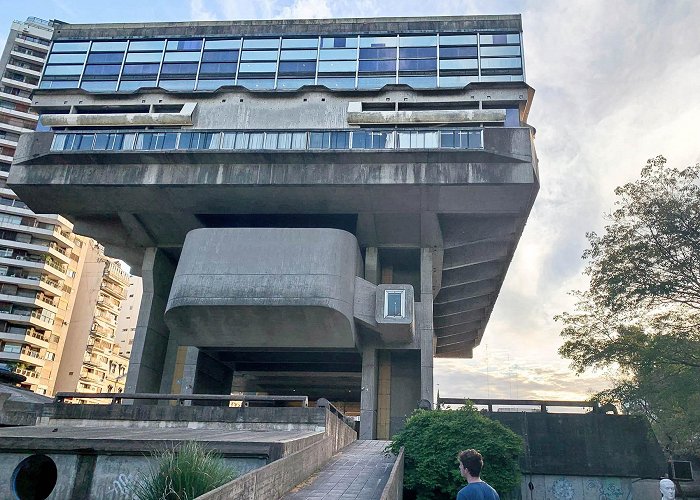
x=359, y=471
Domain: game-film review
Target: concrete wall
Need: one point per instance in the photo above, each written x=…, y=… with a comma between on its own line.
x=589, y=487
x=66, y=465
x=393, y=490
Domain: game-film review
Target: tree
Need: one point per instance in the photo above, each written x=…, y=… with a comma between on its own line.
x=641, y=313
x=433, y=438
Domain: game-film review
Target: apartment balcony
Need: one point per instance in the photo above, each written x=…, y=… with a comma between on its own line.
x=99, y=345
x=91, y=377
x=26, y=356
x=24, y=71
x=102, y=331
x=32, y=375
x=14, y=206
x=43, y=283
x=6, y=159
x=27, y=57
x=114, y=273
x=35, y=228
x=35, y=318
x=6, y=96
x=31, y=337
x=16, y=83
x=55, y=269
x=115, y=290
x=32, y=45
x=106, y=320
x=40, y=300
x=7, y=142
x=95, y=362
x=54, y=250
x=29, y=117
x=108, y=303
x=14, y=128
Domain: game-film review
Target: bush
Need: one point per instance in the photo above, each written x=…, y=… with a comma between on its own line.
x=183, y=473
x=433, y=438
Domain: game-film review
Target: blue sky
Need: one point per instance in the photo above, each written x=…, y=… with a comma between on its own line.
x=616, y=83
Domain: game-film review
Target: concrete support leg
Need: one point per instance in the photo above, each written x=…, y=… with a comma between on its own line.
x=212, y=376
x=372, y=266
x=425, y=325
x=150, y=347
x=368, y=397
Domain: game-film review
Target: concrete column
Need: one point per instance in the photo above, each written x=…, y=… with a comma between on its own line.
x=150, y=347
x=368, y=396
x=372, y=269
x=425, y=324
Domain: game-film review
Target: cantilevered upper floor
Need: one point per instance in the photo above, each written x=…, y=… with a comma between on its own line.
x=406, y=133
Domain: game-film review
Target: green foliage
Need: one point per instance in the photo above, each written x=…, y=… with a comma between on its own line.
x=641, y=313
x=433, y=438
x=183, y=473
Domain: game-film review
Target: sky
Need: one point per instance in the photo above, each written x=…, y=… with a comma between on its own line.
x=616, y=82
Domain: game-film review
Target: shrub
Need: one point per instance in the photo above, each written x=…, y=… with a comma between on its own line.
x=183, y=473
x=433, y=438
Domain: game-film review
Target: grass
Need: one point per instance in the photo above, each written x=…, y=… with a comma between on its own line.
x=183, y=473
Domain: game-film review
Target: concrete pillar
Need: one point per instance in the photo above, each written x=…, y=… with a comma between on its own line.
x=372, y=267
x=150, y=347
x=368, y=396
x=424, y=324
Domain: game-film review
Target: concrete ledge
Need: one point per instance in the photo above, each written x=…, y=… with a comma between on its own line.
x=393, y=490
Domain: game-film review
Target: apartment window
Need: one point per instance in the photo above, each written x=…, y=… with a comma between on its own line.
x=50, y=356
x=394, y=303
x=12, y=348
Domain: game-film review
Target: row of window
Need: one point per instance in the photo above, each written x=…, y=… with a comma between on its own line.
x=348, y=62
x=302, y=140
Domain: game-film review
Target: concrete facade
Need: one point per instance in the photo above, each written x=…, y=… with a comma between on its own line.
x=299, y=238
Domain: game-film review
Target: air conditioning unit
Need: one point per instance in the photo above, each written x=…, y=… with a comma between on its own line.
x=680, y=470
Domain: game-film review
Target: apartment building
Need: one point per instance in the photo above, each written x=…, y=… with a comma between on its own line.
x=92, y=360
x=41, y=259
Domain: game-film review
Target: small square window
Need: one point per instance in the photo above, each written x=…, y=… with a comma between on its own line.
x=394, y=303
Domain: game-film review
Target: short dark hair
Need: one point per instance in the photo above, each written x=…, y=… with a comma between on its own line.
x=472, y=461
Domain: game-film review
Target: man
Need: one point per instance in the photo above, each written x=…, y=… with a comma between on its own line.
x=470, y=464
x=668, y=489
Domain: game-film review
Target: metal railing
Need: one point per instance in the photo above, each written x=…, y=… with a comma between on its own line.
x=542, y=404
x=272, y=140
x=117, y=397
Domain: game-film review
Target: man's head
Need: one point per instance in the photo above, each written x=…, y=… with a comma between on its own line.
x=668, y=489
x=470, y=463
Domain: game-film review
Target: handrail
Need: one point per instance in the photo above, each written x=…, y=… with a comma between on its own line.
x=324, y=403
x=543, y=404
x=117, y=397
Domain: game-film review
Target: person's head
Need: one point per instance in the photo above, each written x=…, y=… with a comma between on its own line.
x=470, y=462
x=668, y=489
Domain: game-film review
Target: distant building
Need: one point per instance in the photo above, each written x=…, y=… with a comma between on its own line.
x=92, y=359
x=41, y=259
x=316, y=207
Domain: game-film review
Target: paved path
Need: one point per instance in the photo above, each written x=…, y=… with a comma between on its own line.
x=359, y=471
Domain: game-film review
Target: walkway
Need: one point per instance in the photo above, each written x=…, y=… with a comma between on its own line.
x=359, y=471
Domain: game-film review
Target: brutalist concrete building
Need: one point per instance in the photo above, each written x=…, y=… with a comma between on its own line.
x=317, y=207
